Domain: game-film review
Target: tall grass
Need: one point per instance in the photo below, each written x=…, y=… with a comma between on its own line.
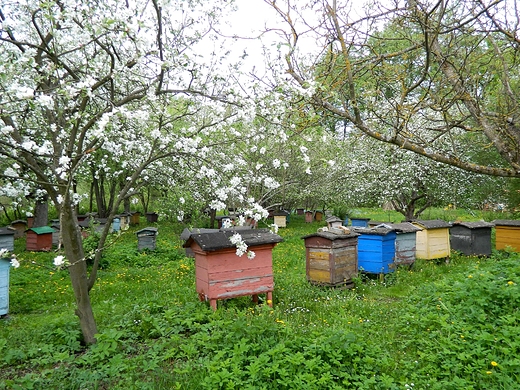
x=451, y=325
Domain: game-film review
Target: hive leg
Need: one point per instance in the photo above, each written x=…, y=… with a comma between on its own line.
x=213, y=304
x=270, y=298
x=255, y=298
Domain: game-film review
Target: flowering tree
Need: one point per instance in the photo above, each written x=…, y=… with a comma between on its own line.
x=116, y=81
x=432, y=72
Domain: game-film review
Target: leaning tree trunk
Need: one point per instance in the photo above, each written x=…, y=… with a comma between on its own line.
x=73, y=245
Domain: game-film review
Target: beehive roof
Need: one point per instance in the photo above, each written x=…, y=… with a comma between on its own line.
x=506, y=222
x=332, y=236
x=41, y=229
x=212, y=241
x=474, y=225
x=404, y=227
x=431, y=224
x=5, y=231
x=376, y=231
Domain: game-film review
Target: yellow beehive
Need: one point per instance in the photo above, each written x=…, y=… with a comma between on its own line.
x=433, y=241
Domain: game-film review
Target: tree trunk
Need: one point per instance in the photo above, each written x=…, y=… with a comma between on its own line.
x=73, y=245
x=41, y=212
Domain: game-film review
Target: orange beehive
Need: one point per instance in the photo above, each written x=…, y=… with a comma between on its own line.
x=507, y=234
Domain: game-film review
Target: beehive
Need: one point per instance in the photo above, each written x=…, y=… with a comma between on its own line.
x=471, y=238
x=359, y=222
x=376, y=250
x=7, y=238
x=146, y=238
x=331, y=259
x=5, y=265
x=507, y=234
x=221, y=274
x=405, y=242
x=433, y=241
x=39, y=239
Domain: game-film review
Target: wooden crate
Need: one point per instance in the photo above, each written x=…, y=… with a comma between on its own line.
x=331, y=259
x=376, y=250
x=433, y=241
x=507, y=234
x=221, y=274
x=471, y=238
x=39, y=239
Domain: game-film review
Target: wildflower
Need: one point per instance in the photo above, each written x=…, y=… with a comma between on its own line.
x=494, y=364
x=489, y=372
x=510, y=282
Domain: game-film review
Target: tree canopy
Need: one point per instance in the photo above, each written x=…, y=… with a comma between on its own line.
x=431, y=77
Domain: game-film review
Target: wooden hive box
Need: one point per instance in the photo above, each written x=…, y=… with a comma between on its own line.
x=146, y=238
x=5, y=265
x=221, y=274
x=318, y=215
x=333, y=222
x=135, y=217
x=280, y=218
x=39, y=239
x=125, y=220
x=152, y=217
x=20, y=226
x=507, y=234
x=405, y=242
x=471, y=238
x=376, y=250
x=359, y=222
x=309, y=216
x=55, y=233
x=7, y=238
x=331, y=259
x=433, y=241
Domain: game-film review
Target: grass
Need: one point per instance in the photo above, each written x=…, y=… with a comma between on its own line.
x=435, y=326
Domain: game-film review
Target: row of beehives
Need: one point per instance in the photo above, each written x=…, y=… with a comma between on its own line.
x=43, y=238
x=334, y=258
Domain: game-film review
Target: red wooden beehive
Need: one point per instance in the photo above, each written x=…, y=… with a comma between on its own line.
x=39, y=239
x=221, y=274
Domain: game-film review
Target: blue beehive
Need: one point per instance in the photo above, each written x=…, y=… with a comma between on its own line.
x=116, y=224
x=5, y=264
x=359, y=222
x=376, y=250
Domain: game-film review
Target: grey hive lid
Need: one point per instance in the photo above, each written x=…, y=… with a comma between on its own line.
x=333, y=218
x=431, y=224
x=153, y=230
x=332, y=236
x=213, y=241
x=375, y=231
x=404, y=227
x=186, y=233
x=5, y=231
x=506, y=222
x=474, y=225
